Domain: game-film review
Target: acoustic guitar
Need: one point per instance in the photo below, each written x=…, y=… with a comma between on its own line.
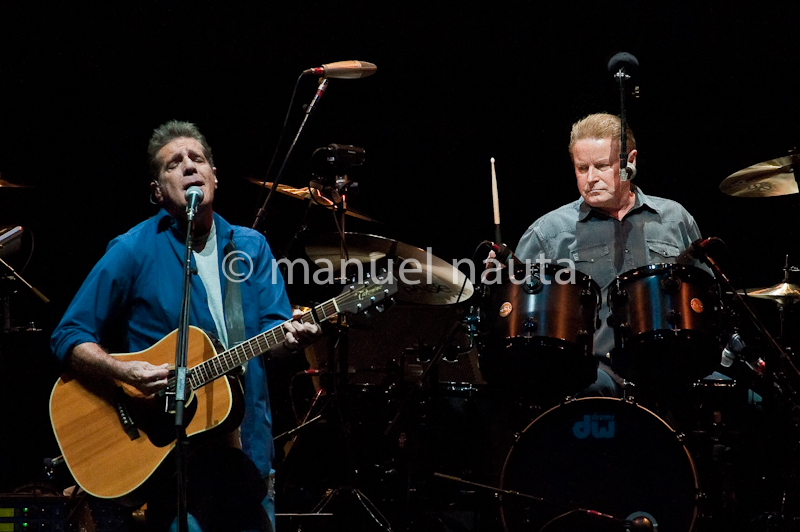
x=113, y=438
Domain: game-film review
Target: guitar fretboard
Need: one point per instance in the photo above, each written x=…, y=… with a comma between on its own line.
x=228, y=360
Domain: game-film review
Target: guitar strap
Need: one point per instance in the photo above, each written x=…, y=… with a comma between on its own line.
x=234, y=315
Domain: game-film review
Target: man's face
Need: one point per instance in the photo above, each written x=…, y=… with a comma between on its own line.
x=183, y=164
x=596, y=163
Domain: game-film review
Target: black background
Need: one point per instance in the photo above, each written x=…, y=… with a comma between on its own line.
x=83, y=84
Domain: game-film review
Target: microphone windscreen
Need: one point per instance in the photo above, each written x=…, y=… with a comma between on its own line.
x=623, y=60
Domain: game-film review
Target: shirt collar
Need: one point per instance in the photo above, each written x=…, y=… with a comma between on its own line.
x=641, y=201
x=223, y=228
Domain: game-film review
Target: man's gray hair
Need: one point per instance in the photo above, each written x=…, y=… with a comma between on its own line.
x=166, y=133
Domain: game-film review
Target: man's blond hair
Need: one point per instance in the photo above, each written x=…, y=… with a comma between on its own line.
x=600, y=126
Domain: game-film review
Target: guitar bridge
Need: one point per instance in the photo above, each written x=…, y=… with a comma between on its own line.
x=121, y=406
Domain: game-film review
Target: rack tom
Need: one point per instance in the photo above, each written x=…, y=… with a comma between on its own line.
x=665, y=319
x=540, y=331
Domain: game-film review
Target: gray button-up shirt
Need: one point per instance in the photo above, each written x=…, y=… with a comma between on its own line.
x=654, y=231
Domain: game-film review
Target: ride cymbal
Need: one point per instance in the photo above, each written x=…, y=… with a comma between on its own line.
x=312, y=194
x=430, y=280
x=775, y=177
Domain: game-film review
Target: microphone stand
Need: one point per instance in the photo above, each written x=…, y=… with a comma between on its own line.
x=622, y=78
x=262, y=212
x=181, y=350
x=782, y=356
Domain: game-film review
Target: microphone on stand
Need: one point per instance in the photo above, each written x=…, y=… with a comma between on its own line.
x=344, y=70
x=194, y=197
x=505, y=256
x=317, y=95
x=622, y=65
x=700, y=250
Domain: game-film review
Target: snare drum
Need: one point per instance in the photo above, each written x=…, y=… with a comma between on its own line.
x=665, y=319
x=540, y=332
x=602, y=454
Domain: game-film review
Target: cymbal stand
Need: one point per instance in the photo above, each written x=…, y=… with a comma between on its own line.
x=527, y=496
x=783, y=386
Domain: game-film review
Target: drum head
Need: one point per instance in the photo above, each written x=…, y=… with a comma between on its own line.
x=600, y=454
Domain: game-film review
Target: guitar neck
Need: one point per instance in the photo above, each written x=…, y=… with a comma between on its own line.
x=228, y=360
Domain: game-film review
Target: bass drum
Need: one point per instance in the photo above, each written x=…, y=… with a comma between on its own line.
x=600, y=454
x=540, y=332
x=665, y=319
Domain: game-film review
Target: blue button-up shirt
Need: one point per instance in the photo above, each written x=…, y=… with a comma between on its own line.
x=132, y=299
x=654, y=231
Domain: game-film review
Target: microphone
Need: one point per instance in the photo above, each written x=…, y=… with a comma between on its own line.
x=194, y=197
x=699, y=249
x=733, y=350
x=623, y=61
x=504, y=255
x=344, y=70
x=320, y=91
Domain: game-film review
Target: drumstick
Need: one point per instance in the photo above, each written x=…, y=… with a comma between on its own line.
x=496, y=205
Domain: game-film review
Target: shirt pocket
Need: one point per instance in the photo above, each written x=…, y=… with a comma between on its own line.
x=596, y=262
x=662, y=251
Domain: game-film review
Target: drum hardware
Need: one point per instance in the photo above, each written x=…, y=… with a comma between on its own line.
x=594, y=514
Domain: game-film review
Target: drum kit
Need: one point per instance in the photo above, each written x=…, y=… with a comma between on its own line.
x=659, y=457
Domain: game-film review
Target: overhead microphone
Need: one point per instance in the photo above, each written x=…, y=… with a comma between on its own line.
x=194, y=197
x=344, y=70
x=623, y=61
x=622, y=65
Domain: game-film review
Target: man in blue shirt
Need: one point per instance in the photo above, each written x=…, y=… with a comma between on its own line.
x=133, y=297
x=612, y=229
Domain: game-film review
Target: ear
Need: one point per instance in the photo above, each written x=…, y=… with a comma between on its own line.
x=632, y=157
x=216, y=183
x=155, y=190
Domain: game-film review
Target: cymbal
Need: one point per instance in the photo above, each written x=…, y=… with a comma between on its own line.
x=430, y=281
x=782, y=293
x=770, y=178
x=8, y=184
x=304, y=194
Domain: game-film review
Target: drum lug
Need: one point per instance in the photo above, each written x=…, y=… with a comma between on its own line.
x=681, y=436
x=671, y=284
x=533, y=285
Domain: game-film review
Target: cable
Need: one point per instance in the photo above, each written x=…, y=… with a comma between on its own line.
x=280, y=141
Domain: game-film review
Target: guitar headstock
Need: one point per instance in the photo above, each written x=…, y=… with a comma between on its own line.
x=371, y=292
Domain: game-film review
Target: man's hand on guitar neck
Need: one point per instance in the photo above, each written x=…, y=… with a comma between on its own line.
x=91, y=360
x=299, y=334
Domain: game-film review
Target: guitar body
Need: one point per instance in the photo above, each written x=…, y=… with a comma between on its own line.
x=113, y=438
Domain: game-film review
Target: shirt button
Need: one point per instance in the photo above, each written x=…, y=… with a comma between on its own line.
x=627, y=251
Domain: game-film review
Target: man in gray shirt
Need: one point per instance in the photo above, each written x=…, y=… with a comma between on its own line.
x=612, y=229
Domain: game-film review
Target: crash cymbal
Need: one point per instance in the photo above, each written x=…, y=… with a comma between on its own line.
x=432, y=281
x=770, y=178
x=8, y=184
x=308, y=193
x=782, y=293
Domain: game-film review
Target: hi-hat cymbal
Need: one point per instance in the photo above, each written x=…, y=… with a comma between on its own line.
x=770, y=178
x=308, y=193
x=430, y=280
x=783, y=293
